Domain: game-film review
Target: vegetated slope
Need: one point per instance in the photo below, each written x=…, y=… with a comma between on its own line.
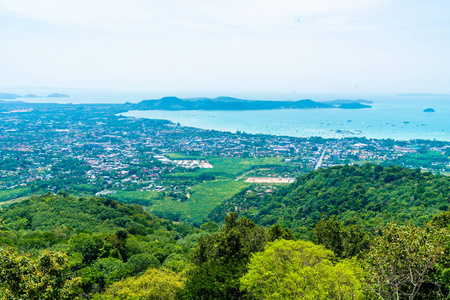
x=370, y=195
x=225, y=103
x=105, y=241
x=204, y=198
x=93, y=214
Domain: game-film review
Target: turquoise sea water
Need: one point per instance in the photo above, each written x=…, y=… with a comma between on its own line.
x=399, y=117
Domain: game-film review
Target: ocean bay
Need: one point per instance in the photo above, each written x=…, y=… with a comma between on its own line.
x=402, y=120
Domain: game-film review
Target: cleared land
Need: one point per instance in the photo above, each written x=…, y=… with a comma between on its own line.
x=204, y=197
x=269, y=180
x=6, y=195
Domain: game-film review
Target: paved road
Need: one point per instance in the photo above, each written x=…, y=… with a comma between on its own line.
x=320, y=161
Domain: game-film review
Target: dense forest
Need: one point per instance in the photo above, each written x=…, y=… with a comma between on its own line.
x=368, y=195
x=346, y=232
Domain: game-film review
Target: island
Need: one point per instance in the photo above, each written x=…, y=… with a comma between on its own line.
x=30, y=96
x=8, y=96
x=229, y=103
x=428, y=110
x=57, y=95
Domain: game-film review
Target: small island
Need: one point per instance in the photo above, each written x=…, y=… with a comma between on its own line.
x=30, y=96
x=56, y=95
x=428, y=110
x=8, y=96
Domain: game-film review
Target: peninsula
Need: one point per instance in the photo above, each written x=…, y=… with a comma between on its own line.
x=229, y=103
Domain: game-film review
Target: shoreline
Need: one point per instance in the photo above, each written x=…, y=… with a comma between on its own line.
x=207, y=120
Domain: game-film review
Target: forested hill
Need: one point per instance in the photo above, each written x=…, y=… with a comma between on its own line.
x=370, y=195
x=228, y=103
x=94, y=214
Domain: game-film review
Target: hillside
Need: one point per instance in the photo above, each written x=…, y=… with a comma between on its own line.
x=105, y=240
x=369, y=195
x=225, y=103
x=100, y=215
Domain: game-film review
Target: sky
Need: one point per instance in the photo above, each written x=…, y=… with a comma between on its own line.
x=227, y=47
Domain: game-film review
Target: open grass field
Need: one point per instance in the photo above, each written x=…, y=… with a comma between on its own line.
x=141, y=198
x=6, y=195
x=228, y=168
x=204, y=198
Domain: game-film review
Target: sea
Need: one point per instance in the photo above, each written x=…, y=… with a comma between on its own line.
x=396, y=117
x=399, y=117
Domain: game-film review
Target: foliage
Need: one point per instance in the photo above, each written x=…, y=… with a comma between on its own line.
x=426, y=159
x=46, y=277
x=153, y=284
x=106, y=241
x=278, y=232
x=221, y=259
x=301, y=270
x=400, y=260
x=13, y=193
x=344, y=241
x=367, y=195
x=204, y=198
x=50, y=211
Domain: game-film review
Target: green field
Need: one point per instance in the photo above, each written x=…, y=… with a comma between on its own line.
x=6, y=195
x=231, y=167
x=129, y=197
x=204, y=198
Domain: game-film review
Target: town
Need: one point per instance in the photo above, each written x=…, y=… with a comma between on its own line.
x=91, y=149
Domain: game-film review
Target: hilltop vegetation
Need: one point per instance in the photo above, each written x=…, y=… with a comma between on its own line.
x=105, y=240
x=369, y=195
x=97, y=247
x=225, y=103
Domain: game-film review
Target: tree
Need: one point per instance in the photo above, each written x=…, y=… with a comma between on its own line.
x=344, y=241
x=153, y=284
x=301, y=270
x=2, y=222
x=221, y=259
x=399, y=260
x=278, y=232
x=47, y=277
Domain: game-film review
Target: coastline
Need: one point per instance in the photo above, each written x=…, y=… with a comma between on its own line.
x=312, y=123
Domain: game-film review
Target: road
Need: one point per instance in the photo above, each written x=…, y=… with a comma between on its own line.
x=320, y=161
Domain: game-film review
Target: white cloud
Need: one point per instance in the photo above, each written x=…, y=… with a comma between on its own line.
x=167, y=17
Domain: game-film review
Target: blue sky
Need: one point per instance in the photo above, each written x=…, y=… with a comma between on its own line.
x=208, y=47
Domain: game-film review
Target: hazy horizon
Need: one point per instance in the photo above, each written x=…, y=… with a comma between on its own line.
x=231, y=48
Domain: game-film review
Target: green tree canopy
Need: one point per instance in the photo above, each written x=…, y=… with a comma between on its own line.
x=161, y=284
x=46, y=277
x=301, y=270
x=221, y=259
x=400, y=260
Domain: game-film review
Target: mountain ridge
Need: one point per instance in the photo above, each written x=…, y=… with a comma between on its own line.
x=230, y=103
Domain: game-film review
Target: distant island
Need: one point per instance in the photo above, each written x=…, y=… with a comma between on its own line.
x=8, y=96
x=30, y=96
x=229, y=103
x=56, y=95
x=428, y=110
